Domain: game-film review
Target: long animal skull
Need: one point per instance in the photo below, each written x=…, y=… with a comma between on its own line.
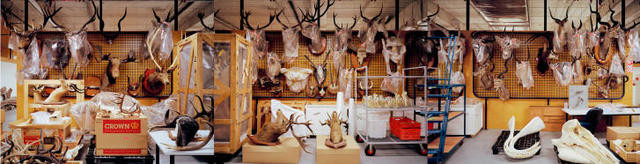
x=578, y=145
x=534, y=126
x=296, y=78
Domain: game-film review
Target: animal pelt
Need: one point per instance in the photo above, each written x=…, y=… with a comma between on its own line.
x=485, y=75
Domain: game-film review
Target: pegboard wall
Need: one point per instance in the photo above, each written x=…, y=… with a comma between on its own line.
x=118, y=48
x=545, y=86
x=376, y=65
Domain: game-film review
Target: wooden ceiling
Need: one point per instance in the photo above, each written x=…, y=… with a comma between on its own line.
x=452, y=13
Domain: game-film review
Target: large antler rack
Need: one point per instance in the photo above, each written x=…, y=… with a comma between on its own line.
x=598, y=18
x=149, y=42
x=617, y=23
x=210, y=28
x=355, y=21
x=370, y=21
x=295, y=14
x=99, y=13
x=245, y=17
x=317, y=14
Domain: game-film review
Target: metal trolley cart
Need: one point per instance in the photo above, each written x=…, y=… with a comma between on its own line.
x=431, y=111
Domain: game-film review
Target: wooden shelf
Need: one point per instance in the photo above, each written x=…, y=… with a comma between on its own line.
x=452, y=115
x=449, y=144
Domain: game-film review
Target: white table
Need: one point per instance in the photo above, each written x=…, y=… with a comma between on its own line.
x=623, y=111
x=161, y=137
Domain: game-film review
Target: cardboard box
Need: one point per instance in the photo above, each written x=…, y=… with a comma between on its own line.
x=121, y=136
x=617, y=146
x=623, y=132
x=31, y=132
x=347, y=154
x=287, y=152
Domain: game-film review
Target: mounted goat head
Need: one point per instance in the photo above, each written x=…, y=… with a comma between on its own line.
x=560, y=36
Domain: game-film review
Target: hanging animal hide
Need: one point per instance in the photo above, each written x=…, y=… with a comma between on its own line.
x=296, y=78
x=543, y=61
x=634, y=46
x=33, y=64
x=481, y=50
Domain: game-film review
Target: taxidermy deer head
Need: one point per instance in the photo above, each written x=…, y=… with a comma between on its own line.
x=106, y=36
x=258, y=38
x=186, y=128
x=20, y=40
x=159, y=38
x=113, y=68
x=560, y=36
x=368, y=35
x=335, y=139
x=312, y=31
x=272, y=130
x=343, y=35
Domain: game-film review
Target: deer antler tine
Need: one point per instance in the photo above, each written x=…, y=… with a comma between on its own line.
x=379, y=13
x=201, y=17
x=246, y=20
x=551, y=14
x=279, y=21
x=312, y=64
x=271, y=18
x=334, y=22
x=611, y=17
x=362, y=15
x=355, y=21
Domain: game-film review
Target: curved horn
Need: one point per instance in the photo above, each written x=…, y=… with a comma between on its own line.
x=434, y=14
x=613, y=21
x=334, y=22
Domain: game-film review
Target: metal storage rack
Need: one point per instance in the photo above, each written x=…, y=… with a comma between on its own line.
x=431, y=111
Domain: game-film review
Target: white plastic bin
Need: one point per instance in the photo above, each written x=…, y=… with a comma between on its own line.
x=378, y=123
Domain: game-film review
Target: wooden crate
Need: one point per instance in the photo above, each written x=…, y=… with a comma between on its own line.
x=226, y=86
x=553, y=116
x=618, y=147
x=31, y=132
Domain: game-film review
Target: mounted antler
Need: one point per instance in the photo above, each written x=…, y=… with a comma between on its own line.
x=428, y=18
x=355, y=21
x=613, y=21
x=317, y=14
x=246, y=15
x=561, y=21
x=574, y=27
x=109, y=38
x=201, y=17
x=155, y=81
x=370, y=21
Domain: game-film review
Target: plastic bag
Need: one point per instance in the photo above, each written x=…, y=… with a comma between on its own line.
x=57, y=53
x=342, y=40
x=524, y=74
x=562, y=72
x=318, y=45
x=507, y=44
x=559, y=41
x=457, y=78
x=345, y=81
x=259, y=41
x=578, y=76
x=111, y=102
x=592, y=39
x=84, y=113
x=338, y=60
x=290, y=39
x=155, y=113
x=616, y=66
x=273, y=65
x=503, y=92
x=394, y=49
x=392, y=84
x=443, y=55
x=14, y=43
x=460, y=49
x=161, y=41
x=622, y=43
x=311, y=31
x=33, y=65
x=577, y=44
x=297, y=78
x=367, y=37
x=480, y=50
x=634, y=46
x=80, y=47
x=485, y=76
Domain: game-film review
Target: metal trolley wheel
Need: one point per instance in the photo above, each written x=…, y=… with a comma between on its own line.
x=369, y=150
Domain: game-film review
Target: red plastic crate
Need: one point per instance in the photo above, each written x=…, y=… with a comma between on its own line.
x=405, y=128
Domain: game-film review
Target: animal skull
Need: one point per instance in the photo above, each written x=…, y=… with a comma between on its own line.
x=578, y=145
